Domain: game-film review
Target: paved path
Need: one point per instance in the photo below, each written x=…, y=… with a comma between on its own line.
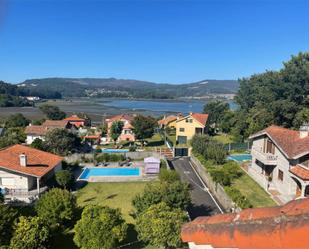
x=203, y=204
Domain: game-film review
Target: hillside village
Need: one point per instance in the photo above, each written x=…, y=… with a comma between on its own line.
x=116, y=183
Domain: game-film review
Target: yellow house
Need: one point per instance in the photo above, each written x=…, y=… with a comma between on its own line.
x=187, y=127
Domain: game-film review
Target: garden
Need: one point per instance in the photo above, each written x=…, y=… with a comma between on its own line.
x=243, y=190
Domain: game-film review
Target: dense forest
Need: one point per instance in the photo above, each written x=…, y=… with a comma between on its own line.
x=274, y=97
x=10, y=96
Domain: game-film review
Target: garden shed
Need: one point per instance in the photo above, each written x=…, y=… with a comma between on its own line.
x=152, y=165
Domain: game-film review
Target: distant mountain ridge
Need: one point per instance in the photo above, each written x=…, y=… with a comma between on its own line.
x=111, y=87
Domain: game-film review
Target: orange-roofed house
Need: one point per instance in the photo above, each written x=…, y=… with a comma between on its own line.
x=127, y=133
x=77, y=121
x=280, y=161
x=188, y=126
x=39, y=131
x=25, y=170
x=281, y=227
x=169, y=121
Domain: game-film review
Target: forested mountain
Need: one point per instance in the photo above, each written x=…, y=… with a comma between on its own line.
x=9, y=96
x=111, y=87
x=274, y=97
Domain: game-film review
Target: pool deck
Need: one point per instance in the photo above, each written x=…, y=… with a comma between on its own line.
x=141, y=177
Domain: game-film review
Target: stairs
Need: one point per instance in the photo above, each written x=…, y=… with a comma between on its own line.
x=168, y=153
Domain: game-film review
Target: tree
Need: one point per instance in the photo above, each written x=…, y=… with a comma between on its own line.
x=56, y=207
x=143, y=127
x=215, y=110
x=175, y=194
x=30, y=233
x=52, y=112
x=100, y=227
x=301, y=117
x=64, y=178
x=7, y=218
x=38, y=144
x=160, y=226
x=12, y=136
x=16, y=120
x=116, y=129
x=61, y=142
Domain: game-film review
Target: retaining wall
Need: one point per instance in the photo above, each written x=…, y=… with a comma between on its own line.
x=215, y=188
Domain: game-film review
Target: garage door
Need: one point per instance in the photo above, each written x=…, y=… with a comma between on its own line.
x=7, y=181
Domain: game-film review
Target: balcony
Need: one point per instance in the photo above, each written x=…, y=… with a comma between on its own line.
x=265, y=158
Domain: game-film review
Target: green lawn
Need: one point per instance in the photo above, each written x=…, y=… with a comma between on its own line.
x=257, y=196
x=224, y=138
x=112, y=194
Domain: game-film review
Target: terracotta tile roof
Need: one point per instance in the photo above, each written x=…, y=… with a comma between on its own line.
x=74, y=118
x=56, y=123
x=38, y=130
x=39, y=163
x=200, y=117
x=167, y=120
x=127, y=126
x=288, y=140
x=120, y=117
x=300, y=171
x=92, y=137
x=282, y=227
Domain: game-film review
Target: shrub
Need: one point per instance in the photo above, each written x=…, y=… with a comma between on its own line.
x=236, y=196
x=7, y=218
x=160, y=225
x=169, y=176
x=100, y=227
x=64, y=178
x=220, y=176
x=56, y=207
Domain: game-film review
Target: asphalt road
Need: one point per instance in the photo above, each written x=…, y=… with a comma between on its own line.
x=203, y=203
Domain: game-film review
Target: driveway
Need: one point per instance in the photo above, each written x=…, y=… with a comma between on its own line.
x=203, y=203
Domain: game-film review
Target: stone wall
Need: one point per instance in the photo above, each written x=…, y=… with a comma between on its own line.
x=215, y=188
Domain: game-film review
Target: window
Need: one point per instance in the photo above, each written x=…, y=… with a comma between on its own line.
x=182, y=139
x=182, y=129
x=269, y=146
x=189, y=120
x=280, y=175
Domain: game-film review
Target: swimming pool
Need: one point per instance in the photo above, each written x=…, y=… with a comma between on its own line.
x=115, y=150
x=240, y=157
x=89, y=172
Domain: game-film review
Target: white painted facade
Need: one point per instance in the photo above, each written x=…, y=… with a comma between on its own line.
x=30, y=138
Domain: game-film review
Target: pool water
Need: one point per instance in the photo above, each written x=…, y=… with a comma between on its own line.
x=115, y=150
x=88, y=172
x=240, y=157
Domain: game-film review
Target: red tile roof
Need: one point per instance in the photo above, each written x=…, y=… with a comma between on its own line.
x=200, y=117
x=282, y=227
x=300, y=171
x=120, y=117
x=39, y=163
x=38, y=130
x=56, y=123
x=167, y=120
x=288, y=140
x=74, y=118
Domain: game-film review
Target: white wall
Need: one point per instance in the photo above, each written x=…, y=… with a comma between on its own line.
x=19, y=181
x=31, y=138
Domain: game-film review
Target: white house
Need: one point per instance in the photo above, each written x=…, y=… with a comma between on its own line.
x=24, y=171
x=280, y=161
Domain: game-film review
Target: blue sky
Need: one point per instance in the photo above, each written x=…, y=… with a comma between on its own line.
x=163, y=41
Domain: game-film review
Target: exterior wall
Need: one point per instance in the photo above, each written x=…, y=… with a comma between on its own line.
x=20, y=181
x=31, y=138
x=189, y=131
x=127, y=135
x=286, y=187
x=172, y=124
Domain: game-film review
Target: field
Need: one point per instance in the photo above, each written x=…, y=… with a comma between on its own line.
x=112, y=194
x=253, y=192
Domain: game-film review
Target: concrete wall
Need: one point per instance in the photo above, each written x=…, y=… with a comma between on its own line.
x=216, y=189
x=19, y=181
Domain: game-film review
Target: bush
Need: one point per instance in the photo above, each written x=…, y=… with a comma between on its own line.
x=236, y=196
x=221, y=177
x=160, y=225
x=106, y=157
x=169, y=176
x=64, y=178
x=56, y=207
x=7, y=218
x=100, y=227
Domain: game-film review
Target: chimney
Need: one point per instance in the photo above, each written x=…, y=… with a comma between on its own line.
x=23, y=160
x=304, y=130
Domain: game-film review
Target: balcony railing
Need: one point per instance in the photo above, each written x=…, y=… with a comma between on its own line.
x=265, y=158
x=23, y=193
